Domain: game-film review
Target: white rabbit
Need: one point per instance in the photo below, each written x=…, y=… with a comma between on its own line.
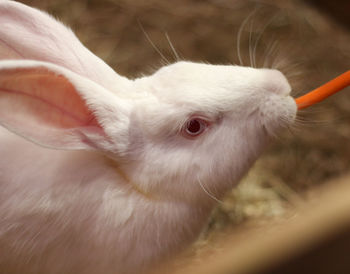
x=102, y=174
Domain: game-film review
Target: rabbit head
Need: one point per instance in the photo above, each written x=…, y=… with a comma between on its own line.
x=205, y=124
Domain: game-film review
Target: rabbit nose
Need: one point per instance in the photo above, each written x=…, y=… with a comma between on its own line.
x=274, y=81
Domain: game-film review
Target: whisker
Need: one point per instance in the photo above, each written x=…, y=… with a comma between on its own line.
x=300, y=123
x=292, y=129
x=239, y=36
x=313, y=122
x=294, y=74
x=292, y=67
x=152, y=44
x=268, y=53
x=279, y=63
x=208, y=193
x=177, y=57
x=250, y=44
x=261, y=34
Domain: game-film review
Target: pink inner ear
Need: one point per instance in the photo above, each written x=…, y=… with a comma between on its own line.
x=48, y=98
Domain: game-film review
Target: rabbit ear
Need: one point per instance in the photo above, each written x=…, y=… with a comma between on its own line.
x=55, y=107
x=27, y=33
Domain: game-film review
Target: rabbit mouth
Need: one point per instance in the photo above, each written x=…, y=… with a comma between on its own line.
x=277, y=113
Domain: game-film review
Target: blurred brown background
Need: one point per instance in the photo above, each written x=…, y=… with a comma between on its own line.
x=305, y=42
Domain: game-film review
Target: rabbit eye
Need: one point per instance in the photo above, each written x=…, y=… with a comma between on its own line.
x=195, y=127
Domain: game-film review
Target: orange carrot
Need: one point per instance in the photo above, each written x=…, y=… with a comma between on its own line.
x=324, y=91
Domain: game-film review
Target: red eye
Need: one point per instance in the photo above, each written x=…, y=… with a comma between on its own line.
x=194, y=127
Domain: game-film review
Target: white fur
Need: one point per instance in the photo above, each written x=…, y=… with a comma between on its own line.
x=122, y=194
